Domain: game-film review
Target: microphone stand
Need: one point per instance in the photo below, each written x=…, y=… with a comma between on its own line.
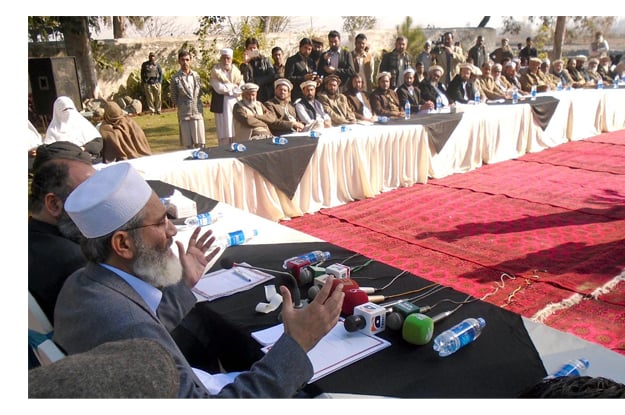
x=291, y=282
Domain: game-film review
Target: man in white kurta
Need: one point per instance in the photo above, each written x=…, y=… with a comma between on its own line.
x=226, y=80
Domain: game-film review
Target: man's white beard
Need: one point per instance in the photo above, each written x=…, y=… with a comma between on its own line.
x=159, y=269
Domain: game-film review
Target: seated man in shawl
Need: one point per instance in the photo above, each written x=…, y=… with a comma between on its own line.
x=384, y=99
x=286, y=118
x=358, y=99
x=69, y=125
x=334, y=103
x=123, y=138
x=251, y=117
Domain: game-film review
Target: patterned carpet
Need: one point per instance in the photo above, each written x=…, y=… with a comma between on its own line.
x=542, y=235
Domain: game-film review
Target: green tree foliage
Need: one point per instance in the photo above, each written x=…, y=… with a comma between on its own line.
x=415, y=35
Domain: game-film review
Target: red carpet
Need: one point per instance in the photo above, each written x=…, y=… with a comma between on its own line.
x=595, y=321
x=556, y=226
x=595, y=156
x=587, y=191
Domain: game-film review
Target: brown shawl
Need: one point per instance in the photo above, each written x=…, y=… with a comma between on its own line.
x=123, y=138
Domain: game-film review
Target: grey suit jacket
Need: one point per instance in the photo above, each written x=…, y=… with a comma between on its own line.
x=188, y=101
x=96, y=306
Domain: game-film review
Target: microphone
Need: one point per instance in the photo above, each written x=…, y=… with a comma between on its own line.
x=395, y=319
x=419, y=328
x=347, y=284
x=368, y=317
x=291, y=283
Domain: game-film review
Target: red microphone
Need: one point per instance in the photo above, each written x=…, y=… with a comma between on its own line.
x=355, y=297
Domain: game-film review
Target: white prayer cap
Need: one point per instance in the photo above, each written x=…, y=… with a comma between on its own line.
x=382, y=74
x=306, y=84
x=107, y=200
x=283, y=81
x=226, y=51
x=249, y=86
x=436, y=68
x=408, y=70
x=511, y=64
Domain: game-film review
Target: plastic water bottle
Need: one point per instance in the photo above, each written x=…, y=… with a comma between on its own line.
x=559, y=86
x=203, y=219
x=515, y=95
x=458, y=336
x=236, y=238
x=314, y=134
x=616, y=81
x=383, y=119
x=533, y=92
x=199, y=155
x=478, y=96
x=238, y=148
x=407, y=110
x=279, y=141
x=439, y=103
x=313, y=257
x=572, y=368
x=600, y=83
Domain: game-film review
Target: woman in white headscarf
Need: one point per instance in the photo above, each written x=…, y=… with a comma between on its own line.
x=69, y=125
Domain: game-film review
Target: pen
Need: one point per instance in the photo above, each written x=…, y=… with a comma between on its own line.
x=241, y=274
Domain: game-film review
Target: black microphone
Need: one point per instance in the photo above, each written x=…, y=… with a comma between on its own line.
x=291, y=283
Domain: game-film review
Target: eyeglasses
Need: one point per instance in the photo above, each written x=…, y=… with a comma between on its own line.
x=163, y=222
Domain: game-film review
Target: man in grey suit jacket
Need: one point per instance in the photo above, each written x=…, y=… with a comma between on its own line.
x=186, y=91
x=128, y=246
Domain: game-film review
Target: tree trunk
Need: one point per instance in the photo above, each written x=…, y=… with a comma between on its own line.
x=558, y=38
x=119, y=27
x=75, y=31
x=264, y=23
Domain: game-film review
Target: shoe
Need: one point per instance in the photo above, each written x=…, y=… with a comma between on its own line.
x=158, y=113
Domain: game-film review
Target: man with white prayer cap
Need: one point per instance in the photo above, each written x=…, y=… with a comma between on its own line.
x=283, y=109
x=310, y=110
x=535, y=77
x=384, y=99
x=251, y=117
x=461, y=88
x=408, y=91
x=130, y=260
x=226, y=80
x=432, y=87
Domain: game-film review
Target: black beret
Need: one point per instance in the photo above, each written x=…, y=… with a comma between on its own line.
x=60, y=150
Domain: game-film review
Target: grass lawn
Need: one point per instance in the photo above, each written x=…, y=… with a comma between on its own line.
x=163, y=134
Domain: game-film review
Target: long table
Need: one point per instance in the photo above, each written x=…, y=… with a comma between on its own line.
x=367, y=160
x=512, y=353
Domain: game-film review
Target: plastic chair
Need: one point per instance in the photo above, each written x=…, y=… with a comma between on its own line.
x=40, y=334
